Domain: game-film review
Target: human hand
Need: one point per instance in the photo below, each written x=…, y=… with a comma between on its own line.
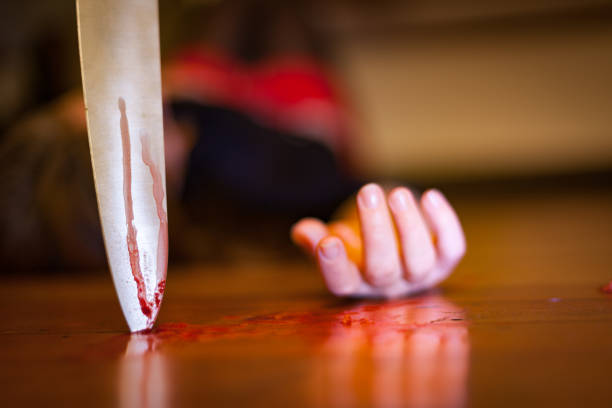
x=367, y=258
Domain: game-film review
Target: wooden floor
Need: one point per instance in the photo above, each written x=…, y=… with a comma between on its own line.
x=521, y=323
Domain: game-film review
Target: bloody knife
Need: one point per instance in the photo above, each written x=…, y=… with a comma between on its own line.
x=120, y=66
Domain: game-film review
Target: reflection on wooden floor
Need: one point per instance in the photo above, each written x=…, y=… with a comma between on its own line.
x=402, y=353
x=399, y=354
x=522, y=322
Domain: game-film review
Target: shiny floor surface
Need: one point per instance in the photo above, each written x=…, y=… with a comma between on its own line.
x=521, y=323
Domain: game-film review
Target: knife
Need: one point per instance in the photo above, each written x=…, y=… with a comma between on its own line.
x=120, y=67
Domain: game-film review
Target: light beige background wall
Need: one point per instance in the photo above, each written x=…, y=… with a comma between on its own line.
x=484, y=100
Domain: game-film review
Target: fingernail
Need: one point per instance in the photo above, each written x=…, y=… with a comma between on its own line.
x=398, y=201
x=330, y=249
x=370, y=196
x=435, y=198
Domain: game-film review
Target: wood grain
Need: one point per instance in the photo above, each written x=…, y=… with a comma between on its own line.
x=521, y=323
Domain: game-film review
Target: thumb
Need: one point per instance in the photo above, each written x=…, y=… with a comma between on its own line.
x=307, y=233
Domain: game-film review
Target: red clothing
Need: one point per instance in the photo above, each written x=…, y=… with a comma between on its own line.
x=292, y=94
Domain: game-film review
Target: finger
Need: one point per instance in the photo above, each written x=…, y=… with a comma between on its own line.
x=381, y=262
x=446, y=226
x=340, y=274
x=307, y=233
x=351, y=240
x=418, y=253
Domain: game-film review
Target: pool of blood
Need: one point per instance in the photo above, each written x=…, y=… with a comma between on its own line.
x=307, y=326
x=380, y=317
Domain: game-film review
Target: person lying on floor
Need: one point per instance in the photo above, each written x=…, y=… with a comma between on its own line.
x=257, y=143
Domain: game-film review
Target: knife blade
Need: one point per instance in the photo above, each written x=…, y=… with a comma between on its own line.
x=121, y=73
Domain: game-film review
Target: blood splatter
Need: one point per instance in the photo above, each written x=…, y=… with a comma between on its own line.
x=148, y=308
x=397, y=316
x=402, y=317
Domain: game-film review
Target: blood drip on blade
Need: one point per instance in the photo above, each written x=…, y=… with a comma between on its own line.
x=162, y=236
x=148, y=308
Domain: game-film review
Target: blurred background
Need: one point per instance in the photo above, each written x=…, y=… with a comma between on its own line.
x=442, y=92
x=441, y=89
x=279, y=109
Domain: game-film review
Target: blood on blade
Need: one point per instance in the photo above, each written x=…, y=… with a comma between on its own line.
x=148, y=308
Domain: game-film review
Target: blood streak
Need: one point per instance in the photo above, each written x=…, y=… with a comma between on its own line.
x=149, y=309
x=162, y=236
